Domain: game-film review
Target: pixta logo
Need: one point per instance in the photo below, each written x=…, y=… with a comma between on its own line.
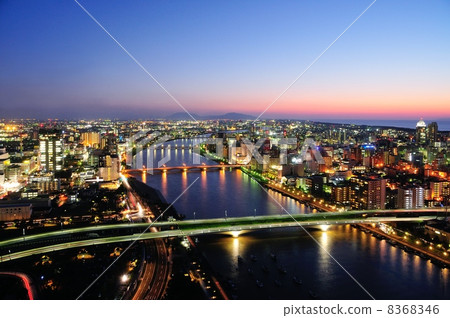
x=145, y=144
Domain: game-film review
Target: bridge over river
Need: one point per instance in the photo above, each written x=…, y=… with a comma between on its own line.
x=113, y=233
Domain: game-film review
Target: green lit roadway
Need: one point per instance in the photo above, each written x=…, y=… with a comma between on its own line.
x=276, y=219
x=203, y=226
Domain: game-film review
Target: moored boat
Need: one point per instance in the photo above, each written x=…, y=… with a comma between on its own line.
x=297, y=281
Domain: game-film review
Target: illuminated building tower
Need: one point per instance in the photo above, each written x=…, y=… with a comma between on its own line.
x=356, y=154
x=421, y=132
x=439, y=190
x=368, y=193
x=341, y=193
x=90, y=139
x=109, y=143
x=4, y=163
x=376, y=193
x=432, y=132
x=51, y=149
x=410, y=198
x=109, y=167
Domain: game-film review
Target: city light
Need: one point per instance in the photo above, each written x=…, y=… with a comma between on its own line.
x=124, y=278
x=235, y=234
x=98, y=195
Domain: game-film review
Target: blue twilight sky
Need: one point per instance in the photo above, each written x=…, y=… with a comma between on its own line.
x=221, y=56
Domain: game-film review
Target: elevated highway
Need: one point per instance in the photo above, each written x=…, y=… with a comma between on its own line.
x=26, y=246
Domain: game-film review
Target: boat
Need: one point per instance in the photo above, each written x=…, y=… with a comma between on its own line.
x=297, y=281
x=240, y=259
x=259, y=283
x=253, y=258
x=312, y=294
x=273, y=256
x=278, y=283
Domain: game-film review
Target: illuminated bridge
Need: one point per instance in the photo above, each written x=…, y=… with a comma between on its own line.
x=175, y=146
x=202, y=167
x=60, y=240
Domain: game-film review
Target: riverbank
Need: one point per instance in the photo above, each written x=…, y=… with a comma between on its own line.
x=185, y=270
x=299, y=196
x=269, y=184
x=153, y=198
x=422, y=252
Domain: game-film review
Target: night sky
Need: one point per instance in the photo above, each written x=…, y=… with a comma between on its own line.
x=223, y=56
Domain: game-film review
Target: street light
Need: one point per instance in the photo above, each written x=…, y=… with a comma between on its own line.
x=124, y=278
x=194, y=216
x=226, y=214
x=254, y=214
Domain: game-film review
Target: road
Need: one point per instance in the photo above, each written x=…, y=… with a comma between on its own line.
x=220, y=225
x=156, y=272
x=97, y=228
x=26, y=281
x=149, y=271
x=300, y=196
x=399, y=240
x=159, y=283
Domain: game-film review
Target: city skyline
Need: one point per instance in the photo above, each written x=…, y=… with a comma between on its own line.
x=235, y=209
x=291, y=151
x=234, y=57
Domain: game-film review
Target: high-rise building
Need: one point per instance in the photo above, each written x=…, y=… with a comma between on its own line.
x=108, y=142
x=51, y=149
x=90, y=139
x=341, y=193
x=421, y=132
x=410, y=198
x=4, y=163
x=368, y=193
x=432, y=132
x=356, y=154
x=439, y=190
x=109, y=167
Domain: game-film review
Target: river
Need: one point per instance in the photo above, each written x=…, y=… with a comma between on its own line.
x=386, y=272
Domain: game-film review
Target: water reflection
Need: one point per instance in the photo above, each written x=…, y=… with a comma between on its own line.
x=373, y=264
x=386, y=271
x=216, y=190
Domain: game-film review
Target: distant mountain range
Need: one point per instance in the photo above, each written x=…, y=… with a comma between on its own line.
x=232, y=116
